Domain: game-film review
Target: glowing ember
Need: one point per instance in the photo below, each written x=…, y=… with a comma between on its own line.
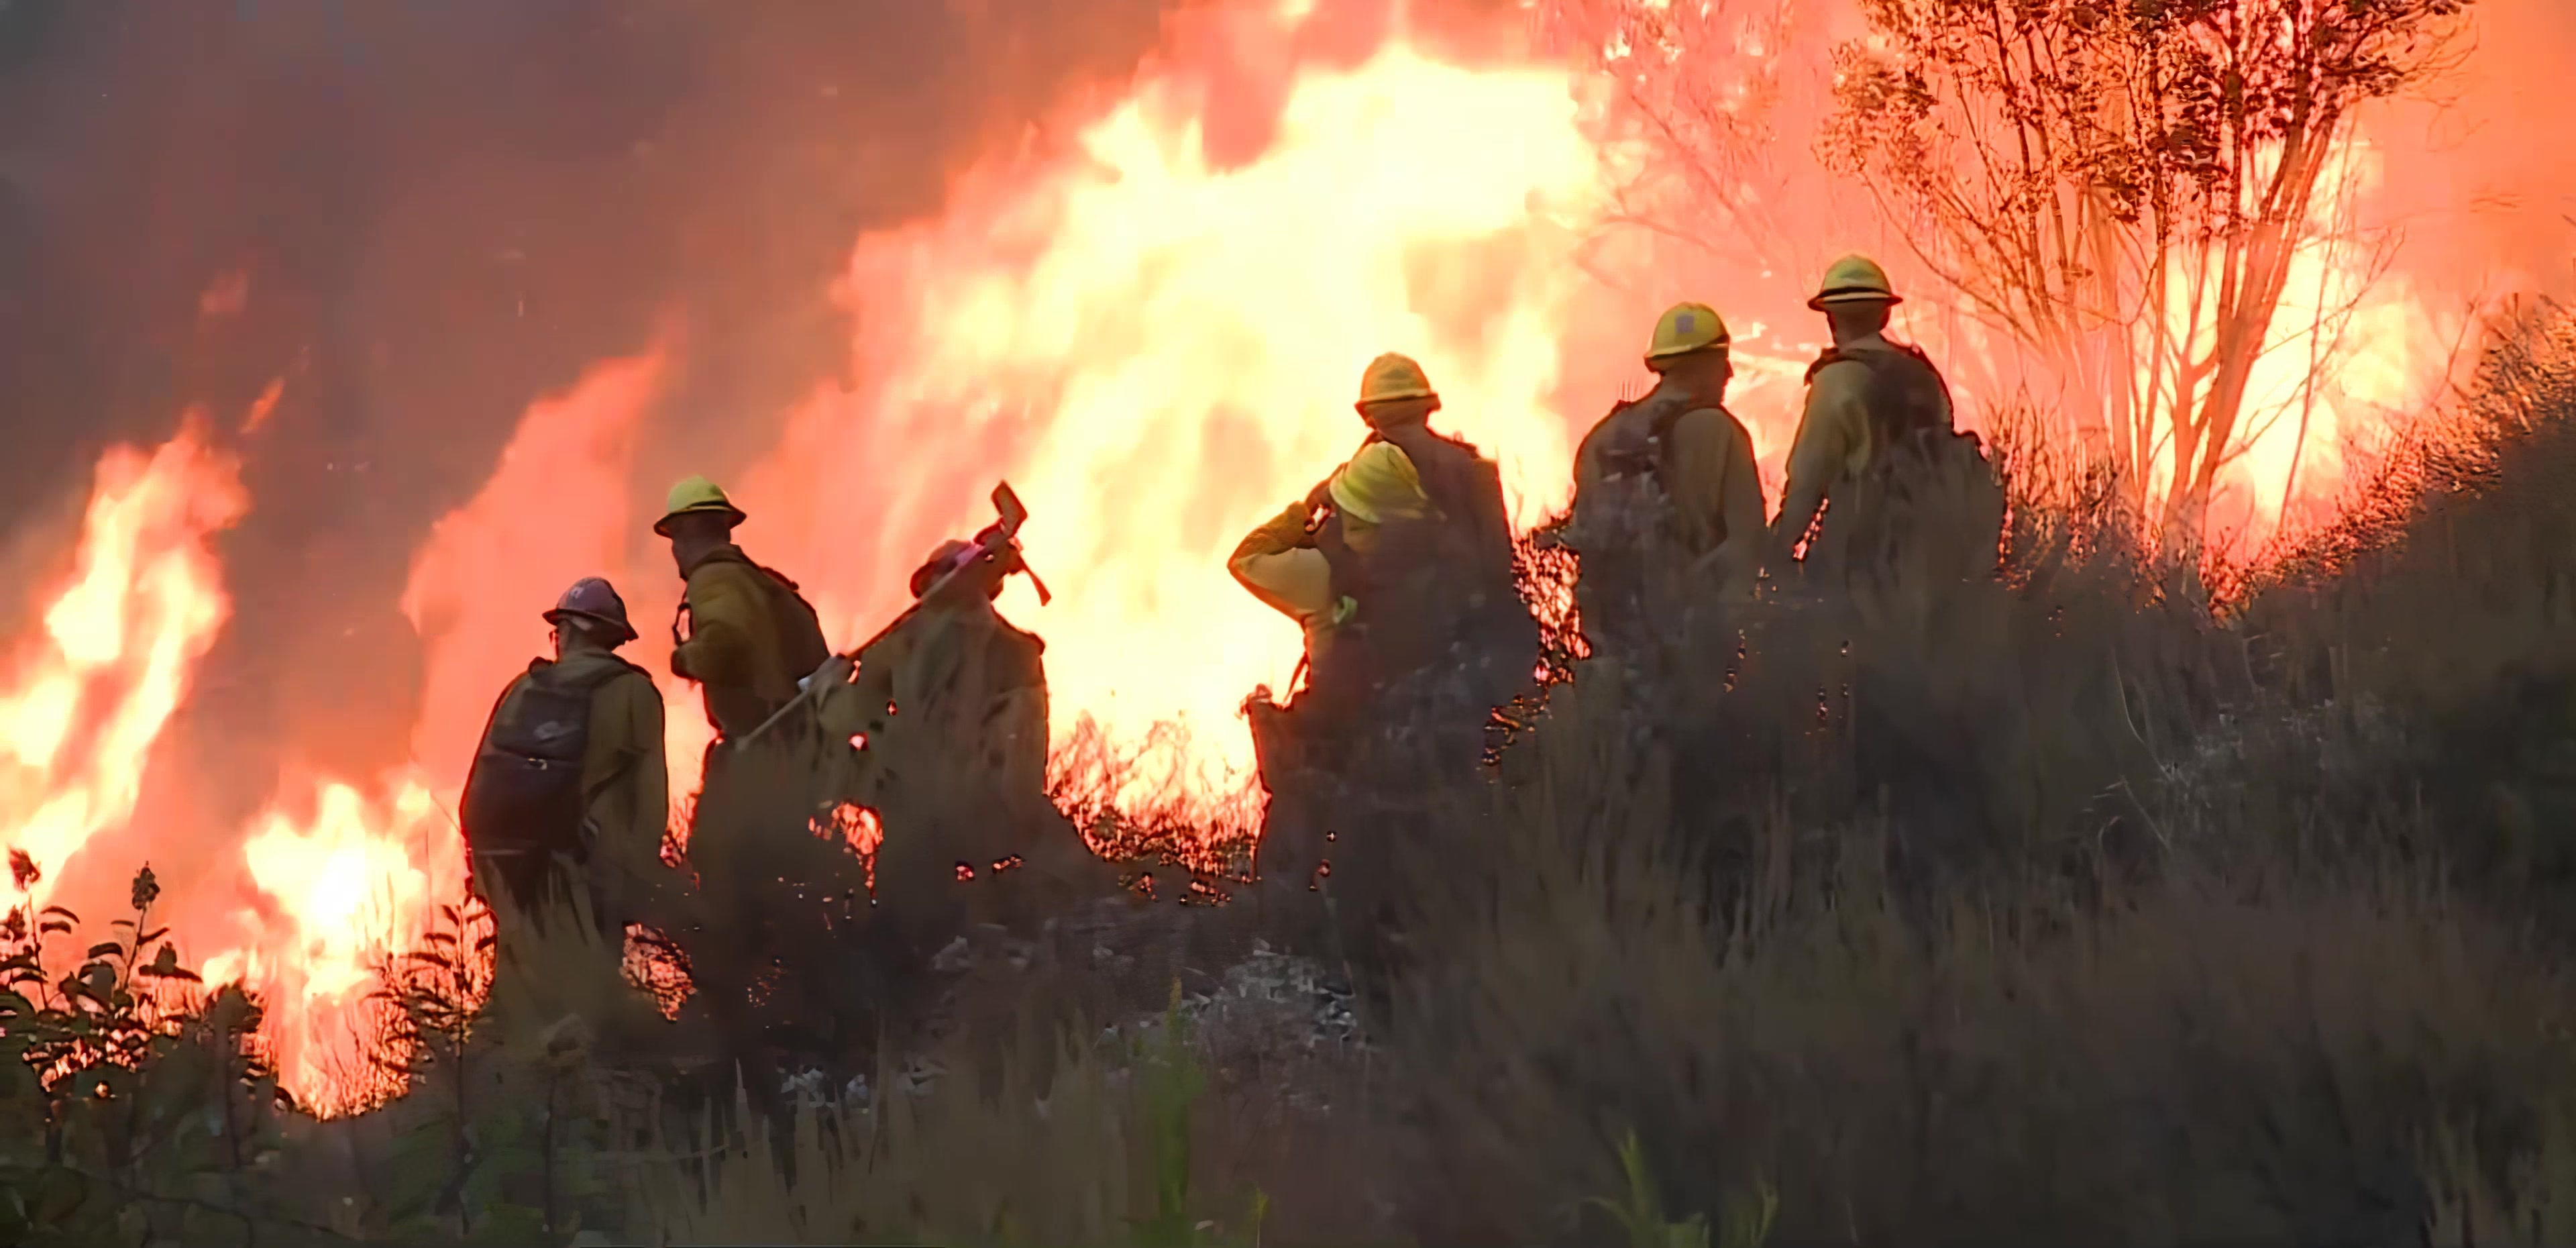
x=86, y=701
x=1159, y=350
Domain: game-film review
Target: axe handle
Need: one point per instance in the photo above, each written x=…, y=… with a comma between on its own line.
x=881, y=634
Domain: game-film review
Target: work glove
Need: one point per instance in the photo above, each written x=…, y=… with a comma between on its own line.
x=834, y=671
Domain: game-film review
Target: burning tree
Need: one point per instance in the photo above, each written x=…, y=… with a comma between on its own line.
x=2124, y=185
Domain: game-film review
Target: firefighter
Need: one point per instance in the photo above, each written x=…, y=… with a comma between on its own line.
x=743, y=633
x=1416, y=541
x=952, y=707
x=568, y=783
x=1279, y=564
x=1878, y=423
x=1666, y=493
x=1398, y=568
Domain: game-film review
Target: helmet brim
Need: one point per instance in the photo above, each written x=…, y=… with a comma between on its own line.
x=733, y=516
x=1397, y=397
x=619, y=631
x=1658, y=361
x=1852, y=298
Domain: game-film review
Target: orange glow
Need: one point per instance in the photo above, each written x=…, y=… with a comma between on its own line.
x=857, y=827
x=557, y=508
x=346, y=876
x=1159, y=350
x=340, y=882
x=225, y=296
x=1153, y=326
x=85, y=702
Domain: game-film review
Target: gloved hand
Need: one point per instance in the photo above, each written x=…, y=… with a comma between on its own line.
x=834, y=671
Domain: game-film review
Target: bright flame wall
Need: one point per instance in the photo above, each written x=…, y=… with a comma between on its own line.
x=1159, y=352
x=1151, y=320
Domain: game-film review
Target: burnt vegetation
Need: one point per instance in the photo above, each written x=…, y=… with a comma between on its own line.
x=2103, y=902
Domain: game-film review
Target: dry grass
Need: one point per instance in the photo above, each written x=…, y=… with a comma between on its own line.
x=2089, y=905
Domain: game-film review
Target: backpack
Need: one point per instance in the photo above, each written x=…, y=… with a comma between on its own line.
x=1635, y=485
x=1643, y=452
x=1438, y=590
x=1921, y=467
x=523, y=794
x=1908, y=399
x=800, y=628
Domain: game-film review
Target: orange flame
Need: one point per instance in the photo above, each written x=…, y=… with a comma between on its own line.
x=342, y=886
x=1159, y=350
x=346, y=878
x=1153, y=333
x=88, y=700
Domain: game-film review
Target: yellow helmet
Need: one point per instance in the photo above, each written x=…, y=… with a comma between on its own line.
x=695, y=496
x=1378, y=485
x=1684, y=328
x=1854, y=279
x=1391, y=376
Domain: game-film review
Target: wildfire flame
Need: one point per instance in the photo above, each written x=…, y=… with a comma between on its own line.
x=345, y=877
x=1159, y=350
x=1154, y=329
x=90, y=696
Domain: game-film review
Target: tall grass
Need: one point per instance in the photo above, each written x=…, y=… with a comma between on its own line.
x=2096, y=901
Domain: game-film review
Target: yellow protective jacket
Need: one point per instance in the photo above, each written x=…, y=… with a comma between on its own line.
x=1279, y=564
x=734, y=648
x=1711, y=482
x=1834, y=442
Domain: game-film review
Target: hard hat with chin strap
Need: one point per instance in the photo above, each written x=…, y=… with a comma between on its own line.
x=594, y=600
x=1686, y=328
x=1854, y=279
x=696, y=496
x=1390, y=377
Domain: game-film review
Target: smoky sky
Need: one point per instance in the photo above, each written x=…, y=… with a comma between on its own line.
x=445, y=209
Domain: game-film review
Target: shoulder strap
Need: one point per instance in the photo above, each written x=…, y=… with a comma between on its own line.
x=1660, y=425
x=1895, y=411
x=778, y=576
x=616, y=666
x=492, y=719
x=586, y=679
x=1659, y=435
x=1939, y=382
x=1452, y=476
x=799, y=627
x=1830, y=357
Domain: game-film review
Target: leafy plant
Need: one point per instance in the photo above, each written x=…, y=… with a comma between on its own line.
x=1640, y=1211
x=432, y=996
x=1171, y=1084
x=131, y=1106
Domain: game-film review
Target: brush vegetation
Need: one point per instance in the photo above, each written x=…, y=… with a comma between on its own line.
x=2105, y=902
